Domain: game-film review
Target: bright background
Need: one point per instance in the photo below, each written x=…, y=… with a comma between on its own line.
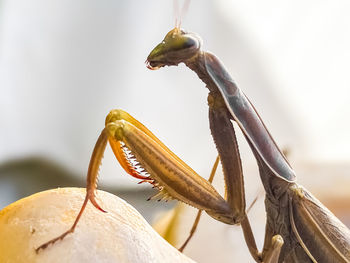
x=65, y=64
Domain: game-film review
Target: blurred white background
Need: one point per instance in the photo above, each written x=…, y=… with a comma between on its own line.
x=65, y=64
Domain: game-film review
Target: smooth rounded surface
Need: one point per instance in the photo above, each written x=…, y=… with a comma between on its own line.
x=121, y=235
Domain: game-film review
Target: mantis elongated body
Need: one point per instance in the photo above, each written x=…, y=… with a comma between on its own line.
x=309, y=231
x=299, y=228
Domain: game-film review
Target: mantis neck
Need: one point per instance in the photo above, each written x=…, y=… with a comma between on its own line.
x=197, y=64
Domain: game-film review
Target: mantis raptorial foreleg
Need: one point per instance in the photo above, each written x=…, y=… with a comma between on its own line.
x=143, y=156
x=199, y=213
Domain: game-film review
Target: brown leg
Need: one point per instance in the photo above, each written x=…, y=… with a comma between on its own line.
x=272, y=246
x=226, y=144
x=273, y=253
x=194, y=227
x=271, y=250
x=250, y=240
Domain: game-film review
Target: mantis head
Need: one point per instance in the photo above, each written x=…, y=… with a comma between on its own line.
x=178, y=46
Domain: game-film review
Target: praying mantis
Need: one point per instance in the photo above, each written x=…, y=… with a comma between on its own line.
x=298, y=228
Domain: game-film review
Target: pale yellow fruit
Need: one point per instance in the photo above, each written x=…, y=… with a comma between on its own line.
x=121, y=235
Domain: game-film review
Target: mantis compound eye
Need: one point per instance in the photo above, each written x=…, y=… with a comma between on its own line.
x=178, y=46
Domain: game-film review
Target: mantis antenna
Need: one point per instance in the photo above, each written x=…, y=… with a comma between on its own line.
x=179, y=15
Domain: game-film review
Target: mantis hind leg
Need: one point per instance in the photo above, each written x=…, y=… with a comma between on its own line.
x=273, y=253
